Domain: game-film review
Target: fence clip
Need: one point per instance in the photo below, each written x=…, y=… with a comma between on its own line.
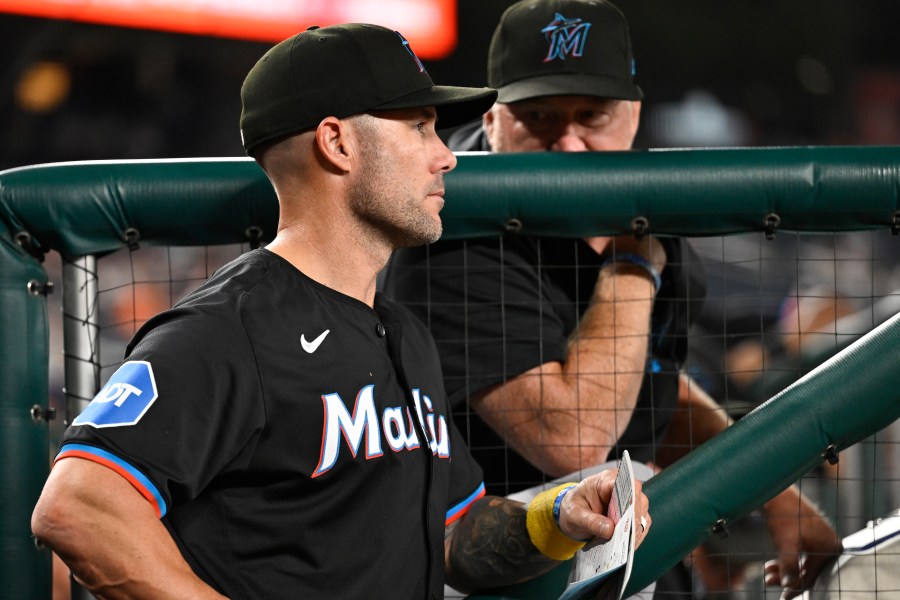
x=36, y=288
x=254, y=236
x=29, y=245
x=720, y=529
x=831, y=454
x=640, y=225
x=42, y=414
x=771, y=223
x=131, y=237
x=513, y=225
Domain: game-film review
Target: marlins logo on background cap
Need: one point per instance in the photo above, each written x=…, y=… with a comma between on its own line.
x=340, y=71
x=562, y=47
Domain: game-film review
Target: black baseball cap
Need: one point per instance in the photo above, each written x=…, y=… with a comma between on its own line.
x=340, y=71
x=562, y=47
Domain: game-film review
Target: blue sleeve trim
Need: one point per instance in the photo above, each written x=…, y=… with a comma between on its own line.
x=132, y=474
x=462, y=507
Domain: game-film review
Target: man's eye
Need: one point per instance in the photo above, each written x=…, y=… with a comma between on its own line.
x=539, y=119
x=537, y=116
x=593, y=118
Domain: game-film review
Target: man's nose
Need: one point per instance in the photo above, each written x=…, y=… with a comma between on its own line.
x=446, y=160
x=569, y=139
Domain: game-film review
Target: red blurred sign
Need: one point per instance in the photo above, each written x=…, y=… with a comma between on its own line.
x=429, y=25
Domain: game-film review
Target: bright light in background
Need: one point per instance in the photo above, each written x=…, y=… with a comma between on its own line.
x=429, y=25
x=43, y=87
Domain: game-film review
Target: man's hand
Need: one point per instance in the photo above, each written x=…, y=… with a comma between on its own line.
x=804, y=540
x=583, y=511
x=490, y=545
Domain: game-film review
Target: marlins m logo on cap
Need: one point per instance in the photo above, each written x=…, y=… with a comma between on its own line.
x=565, y=36
x=537, y=52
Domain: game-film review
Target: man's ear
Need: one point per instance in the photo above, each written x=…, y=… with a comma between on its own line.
x=487, y=122
x=636, y=116
x=332, y=138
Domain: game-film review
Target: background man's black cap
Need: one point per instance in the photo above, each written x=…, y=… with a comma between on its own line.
x=340, y=71
x=562, y=47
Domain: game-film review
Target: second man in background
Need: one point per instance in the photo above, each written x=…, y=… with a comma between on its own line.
x=565, y=351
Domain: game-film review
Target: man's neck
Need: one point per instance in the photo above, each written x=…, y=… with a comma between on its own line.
x=344, y=265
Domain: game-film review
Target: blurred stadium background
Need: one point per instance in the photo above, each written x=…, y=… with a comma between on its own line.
x=714, y=73
x=762, y=73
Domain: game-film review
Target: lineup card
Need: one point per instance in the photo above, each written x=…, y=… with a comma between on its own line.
x=597, y=568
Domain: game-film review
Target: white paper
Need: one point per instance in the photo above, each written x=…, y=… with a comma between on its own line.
x=601, y=570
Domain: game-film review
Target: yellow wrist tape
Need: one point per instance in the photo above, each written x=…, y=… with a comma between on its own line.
x=543, y=530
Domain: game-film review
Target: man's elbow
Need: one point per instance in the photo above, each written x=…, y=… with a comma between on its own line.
x=561, y=460
x=55, y=522
x=47, y=522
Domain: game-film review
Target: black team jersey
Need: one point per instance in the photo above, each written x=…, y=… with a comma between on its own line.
x=295, y=442
x=500, y=306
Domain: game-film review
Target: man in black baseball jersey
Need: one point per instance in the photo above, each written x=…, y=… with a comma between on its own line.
x=283, y=432
x=568, y=351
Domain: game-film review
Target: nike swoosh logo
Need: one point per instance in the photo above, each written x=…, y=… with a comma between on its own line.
x=313, y=345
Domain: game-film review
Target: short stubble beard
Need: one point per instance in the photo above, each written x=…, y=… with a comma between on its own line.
x=401, y=220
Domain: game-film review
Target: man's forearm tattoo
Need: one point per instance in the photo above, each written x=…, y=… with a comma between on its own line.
x=490, y=547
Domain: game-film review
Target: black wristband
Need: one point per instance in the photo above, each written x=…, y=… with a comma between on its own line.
x=639, y=261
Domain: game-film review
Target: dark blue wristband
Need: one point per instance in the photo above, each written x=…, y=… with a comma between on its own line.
x=638, y=261
x=559, y=498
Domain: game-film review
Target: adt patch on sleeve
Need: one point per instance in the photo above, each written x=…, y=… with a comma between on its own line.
x=124, y=399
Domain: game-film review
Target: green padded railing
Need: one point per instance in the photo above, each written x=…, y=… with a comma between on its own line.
x=86, y=208
x=79, y=209
x=843, y=401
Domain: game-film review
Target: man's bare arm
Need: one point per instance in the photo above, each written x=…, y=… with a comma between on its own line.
x=491, y=544
x=565, y=416
x=110, y=536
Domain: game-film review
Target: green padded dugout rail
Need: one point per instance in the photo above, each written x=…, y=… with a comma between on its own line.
x=843, y=401
x=87, y=208
x=97, y=207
